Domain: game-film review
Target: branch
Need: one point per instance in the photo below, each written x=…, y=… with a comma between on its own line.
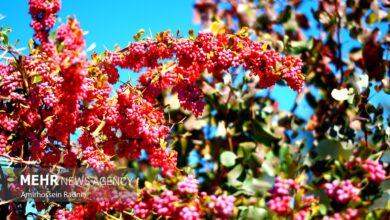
x=339, y=46
x=19, y=160
x=11, y=51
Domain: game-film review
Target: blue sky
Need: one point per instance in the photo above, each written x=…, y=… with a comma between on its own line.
x=106, y=24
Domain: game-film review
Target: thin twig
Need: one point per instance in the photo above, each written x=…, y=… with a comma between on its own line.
x=339, y=46
x=226, y=118
x=110, y=216
x=9, y=50
x=19, y=160
x=132, y=215
x=299, y=99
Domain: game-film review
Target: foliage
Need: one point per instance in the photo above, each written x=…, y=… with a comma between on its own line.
x=199, y=112
x=346, y=65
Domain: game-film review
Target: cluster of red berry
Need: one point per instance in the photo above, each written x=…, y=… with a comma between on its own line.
x=184, y=202
x=179, y=201
x=350, y=214
x=44, y=15
x=281, y=195
x=283, y=199
x=342, y=191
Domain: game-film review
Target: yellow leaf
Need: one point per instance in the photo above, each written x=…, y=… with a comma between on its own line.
x=72, y=23
x=243, y=32
x=141, y=32
x=301, y=178
x=148, y=185
x=264, y=47
x=217, y=27
x=315, y=209
x=30, y=44
x=48, y=118
x=206, y=150
x=191, y=33
x=163, y=143
x=25, y=124
x=99, y=128
x=94, y=56
x=103, y=77
x=298, y=198
x=138, y=34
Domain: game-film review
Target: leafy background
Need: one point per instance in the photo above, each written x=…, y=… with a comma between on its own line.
x=247, y=136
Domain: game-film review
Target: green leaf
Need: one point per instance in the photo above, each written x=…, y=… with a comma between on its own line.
x=263, y=135
x=285, y=39
x=151, y=173
x=53, y=34
x=284, y=151
x=252, y=186
x=228, y=158
x=332, y=148
x=311, y=100
x=245, y=149
x=285, y=15
x=5, y=38
x=327, y=176
x=268, y=168
x=297, y=47
x=36, y=79
x=322, y=208
x=10, y=172
x=253, y=213
x=234, y=174
x=381, y=202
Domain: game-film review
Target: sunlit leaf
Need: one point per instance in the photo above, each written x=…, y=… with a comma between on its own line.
x=245, y=149
x=342, y=94
x=228, y=159
x=332, y=148
x=253, y=213
x=234, y=174
x=297, y=47
x=91, y=47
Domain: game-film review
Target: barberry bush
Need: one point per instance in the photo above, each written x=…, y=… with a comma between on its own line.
x=201, y=127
